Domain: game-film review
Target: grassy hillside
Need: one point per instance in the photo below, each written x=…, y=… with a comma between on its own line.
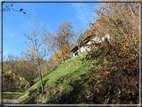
x=63, y=84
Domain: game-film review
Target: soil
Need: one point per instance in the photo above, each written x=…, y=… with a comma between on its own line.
x=11, y=96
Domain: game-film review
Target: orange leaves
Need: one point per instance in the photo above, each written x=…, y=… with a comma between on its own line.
x=117, y=73
x=122, y=59
x=137, y=36
x=58, y=56
x=64, y=36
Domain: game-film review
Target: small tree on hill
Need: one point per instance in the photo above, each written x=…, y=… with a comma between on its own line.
x=41, y=41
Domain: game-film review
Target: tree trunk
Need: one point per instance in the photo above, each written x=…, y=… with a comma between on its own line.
x=40, y=77
x=62, y=53
x=79, y=48
x=62, y=56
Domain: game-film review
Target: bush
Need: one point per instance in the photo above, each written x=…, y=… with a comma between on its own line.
x=116, y=74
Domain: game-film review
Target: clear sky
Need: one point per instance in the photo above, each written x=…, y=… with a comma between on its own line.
x=15, y=24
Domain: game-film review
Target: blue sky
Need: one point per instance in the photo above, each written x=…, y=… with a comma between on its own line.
x=15, y=24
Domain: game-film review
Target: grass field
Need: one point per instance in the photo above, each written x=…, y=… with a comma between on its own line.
x=63, y=84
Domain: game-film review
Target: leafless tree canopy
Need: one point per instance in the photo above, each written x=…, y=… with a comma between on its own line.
x=41, y=42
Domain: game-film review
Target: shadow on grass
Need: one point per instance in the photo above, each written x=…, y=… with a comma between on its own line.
x=18, y=91
x=33, y=94
x=76, y=96
x=51, y=71
x=31, y=98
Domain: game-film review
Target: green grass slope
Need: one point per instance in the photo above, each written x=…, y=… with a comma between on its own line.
x=18, y=92
x=64, y=84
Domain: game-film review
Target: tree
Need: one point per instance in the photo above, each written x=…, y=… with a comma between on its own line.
x=9, y=75
x=57, y=56
x=64, y=35
x=10, y=7
x=9, y=79
x=41, y=41
x=29, y=55
x=79, y=38
x=27, y=67
x=120, y=20
x=51, y=63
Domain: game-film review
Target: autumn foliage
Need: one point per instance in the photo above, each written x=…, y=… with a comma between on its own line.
x=58, y=56
x=10, y=78
x=115, y=69
x=62, y=40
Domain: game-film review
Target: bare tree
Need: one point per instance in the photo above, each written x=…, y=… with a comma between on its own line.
x=41, y=41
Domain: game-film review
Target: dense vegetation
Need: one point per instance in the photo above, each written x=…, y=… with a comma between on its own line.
x=117, y=74
x=117, y=58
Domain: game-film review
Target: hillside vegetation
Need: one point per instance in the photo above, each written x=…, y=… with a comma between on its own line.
x=65, y=83
x=108, y=74
x=94, y=78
